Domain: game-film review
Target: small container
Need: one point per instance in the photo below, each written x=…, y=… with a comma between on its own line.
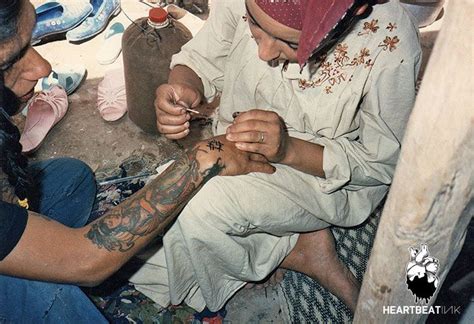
x=148, y=45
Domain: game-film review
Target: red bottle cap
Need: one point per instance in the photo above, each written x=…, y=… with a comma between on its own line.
x=157, y=15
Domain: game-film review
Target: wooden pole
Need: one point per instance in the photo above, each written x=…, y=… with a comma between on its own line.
x=431, y=199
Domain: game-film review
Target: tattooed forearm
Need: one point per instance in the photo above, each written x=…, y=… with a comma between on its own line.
x=153, y=207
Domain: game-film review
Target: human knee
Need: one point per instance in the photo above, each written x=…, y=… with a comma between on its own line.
x=33, y=297
x=213, y=207
x=77, y=177
x=66, y=190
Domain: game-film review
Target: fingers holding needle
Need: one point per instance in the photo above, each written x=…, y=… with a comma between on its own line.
x=182, y=104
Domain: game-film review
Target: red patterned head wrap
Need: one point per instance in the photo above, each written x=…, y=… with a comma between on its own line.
x=315, y=19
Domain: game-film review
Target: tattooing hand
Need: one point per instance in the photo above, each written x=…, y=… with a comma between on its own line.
x=262, y=132
x=172, y=105
x=218, y=156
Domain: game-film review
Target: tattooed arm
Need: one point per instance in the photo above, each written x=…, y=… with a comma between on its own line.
x=86, y=256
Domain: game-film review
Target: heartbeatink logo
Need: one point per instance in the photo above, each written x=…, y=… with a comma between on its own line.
x=422, y=280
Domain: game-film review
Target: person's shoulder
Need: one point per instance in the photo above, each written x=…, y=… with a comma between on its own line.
x=397, y=27
x=232, y=5
x=234, y=8
x=9, y=210
x=387, y=35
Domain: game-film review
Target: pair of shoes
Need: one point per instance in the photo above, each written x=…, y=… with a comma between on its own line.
x=54, y=17
x=79, y=20
x=102, y=11
x=111, y=96
x=112, y=45
x=45, y=110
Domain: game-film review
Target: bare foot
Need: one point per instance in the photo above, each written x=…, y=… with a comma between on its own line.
x=275, y=278
x=315, y=255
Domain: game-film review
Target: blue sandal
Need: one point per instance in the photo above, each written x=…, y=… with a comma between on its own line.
x=68, y=77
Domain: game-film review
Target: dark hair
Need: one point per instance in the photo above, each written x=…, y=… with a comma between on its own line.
x=12, y=162
x=342, y=28
x=9, y=14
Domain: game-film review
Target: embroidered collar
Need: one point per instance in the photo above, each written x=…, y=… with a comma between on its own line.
x=294, y=72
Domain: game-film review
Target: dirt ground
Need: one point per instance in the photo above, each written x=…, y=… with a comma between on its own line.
x=82, y=133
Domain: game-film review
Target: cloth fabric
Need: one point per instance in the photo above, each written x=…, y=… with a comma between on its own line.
x=315, y=19
x=288, y=13
x=68, y=191
x=355, y=103
x=12, y=225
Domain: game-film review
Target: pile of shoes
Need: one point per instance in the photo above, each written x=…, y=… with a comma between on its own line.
x=79, y=20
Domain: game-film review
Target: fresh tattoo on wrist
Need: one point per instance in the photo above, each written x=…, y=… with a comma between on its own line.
x=214, y=144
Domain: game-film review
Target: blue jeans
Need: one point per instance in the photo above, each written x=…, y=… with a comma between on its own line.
x=67, y=189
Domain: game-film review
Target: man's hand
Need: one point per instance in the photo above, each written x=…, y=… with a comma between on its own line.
x=218, y=156
x=170, y=105
x=260, y=131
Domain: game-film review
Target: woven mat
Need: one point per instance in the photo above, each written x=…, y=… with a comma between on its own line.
x=303, y=300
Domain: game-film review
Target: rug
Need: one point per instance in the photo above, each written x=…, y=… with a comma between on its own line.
x=116, y=298
x=303, y=300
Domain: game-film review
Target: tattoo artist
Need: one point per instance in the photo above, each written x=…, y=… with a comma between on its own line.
x=45, y=247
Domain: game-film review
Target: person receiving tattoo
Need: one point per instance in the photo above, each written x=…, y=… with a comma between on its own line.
x=323, y=89
x=46, y=249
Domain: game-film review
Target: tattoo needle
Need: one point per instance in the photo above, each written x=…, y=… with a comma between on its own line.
x=181, y=105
